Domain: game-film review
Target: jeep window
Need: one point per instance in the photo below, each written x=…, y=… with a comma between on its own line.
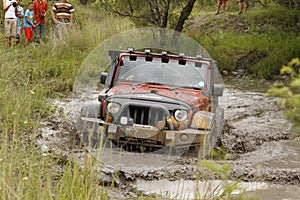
x=157, y=72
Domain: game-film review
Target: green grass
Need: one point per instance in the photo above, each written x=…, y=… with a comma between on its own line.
x=25, y=172
x=30, y=77
x=29, y=174
x=271, y=39
x=270, y=51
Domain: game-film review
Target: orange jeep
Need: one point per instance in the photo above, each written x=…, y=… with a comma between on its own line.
x=155, y=100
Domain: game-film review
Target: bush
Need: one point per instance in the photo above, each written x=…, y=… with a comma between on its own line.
x=288, y=92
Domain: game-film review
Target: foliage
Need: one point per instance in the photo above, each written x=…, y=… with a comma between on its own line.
x=292, y=4
x=25, y=171
x=289, y=92
x=30, y=78
x=255, y=44
x=275, y=20
x=28, y=173
x=161, y=13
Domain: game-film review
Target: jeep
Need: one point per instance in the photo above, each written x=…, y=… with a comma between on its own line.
x=155, y=100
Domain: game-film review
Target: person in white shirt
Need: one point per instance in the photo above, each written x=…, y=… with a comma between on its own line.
x=10, y=10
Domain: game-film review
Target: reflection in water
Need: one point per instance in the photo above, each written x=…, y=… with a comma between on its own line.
x=186, y=189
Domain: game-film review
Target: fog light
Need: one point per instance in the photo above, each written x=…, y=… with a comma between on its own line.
x=124, y=120
x=111, y=136
x=183, y=137
x=161, y=124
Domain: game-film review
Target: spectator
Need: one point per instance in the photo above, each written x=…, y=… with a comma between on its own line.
x=243, y=4
x=20, y=16
x=28, y=23
x=10, y=10
x=223, y=3
x=62, y=15
x=40, y=9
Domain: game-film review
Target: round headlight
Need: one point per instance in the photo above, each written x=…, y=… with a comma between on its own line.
x=181, y=115
x=113, y=108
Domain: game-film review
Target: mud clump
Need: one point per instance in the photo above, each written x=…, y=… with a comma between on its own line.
x=275, y=176
x=237, y=141
x=251, y=120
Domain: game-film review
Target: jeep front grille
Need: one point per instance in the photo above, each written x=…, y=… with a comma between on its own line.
x=146, y=115
x=141, y=114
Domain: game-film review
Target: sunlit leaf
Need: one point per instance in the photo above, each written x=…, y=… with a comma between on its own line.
x=287, y=70
x=280, y=92
x=295, y=83
x=295, y=62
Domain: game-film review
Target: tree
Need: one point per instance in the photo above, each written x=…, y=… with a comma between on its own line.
x=160, y=13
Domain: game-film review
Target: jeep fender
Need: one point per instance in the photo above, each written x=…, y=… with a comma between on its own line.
x=91, y=109
x=214, y=136
x=87, y=123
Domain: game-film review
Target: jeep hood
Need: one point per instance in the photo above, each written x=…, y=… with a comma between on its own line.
x=192, y=97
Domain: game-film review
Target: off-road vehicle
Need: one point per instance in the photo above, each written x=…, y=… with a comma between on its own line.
x=155, y=100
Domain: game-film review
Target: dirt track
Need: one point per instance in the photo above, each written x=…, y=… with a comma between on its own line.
x=255, y=133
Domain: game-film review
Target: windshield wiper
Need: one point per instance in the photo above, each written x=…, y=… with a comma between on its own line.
x=188, y=87
x=147, y=83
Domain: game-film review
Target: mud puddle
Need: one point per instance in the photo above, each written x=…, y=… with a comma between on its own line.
x=256, y=134
x=276, y=192
x=185, y=189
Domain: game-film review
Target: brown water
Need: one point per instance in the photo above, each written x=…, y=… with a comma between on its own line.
x=264, y=159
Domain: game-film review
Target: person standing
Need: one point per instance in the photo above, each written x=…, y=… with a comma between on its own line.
x=28, y=23
x=10, y=10
x=40, y=9
x=223, y=4
x=243, y=4
x=62, y=16
x=20, y=16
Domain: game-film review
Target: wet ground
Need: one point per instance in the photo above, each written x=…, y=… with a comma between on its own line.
x=264, y=159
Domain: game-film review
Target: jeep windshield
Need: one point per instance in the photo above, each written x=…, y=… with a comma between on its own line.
x=156, y=71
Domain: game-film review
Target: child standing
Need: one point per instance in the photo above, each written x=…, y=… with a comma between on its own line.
x=19, y=15
x=28, y=23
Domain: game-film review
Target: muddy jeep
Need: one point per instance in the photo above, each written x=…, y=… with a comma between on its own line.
x=155, y=100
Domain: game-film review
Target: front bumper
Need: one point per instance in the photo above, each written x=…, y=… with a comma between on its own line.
x=150, y=135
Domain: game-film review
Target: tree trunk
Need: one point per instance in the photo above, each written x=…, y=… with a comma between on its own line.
x=165, y=13
x=185, y=14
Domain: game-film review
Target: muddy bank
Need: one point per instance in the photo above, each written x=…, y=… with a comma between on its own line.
x=255, y=133
x=251, y=120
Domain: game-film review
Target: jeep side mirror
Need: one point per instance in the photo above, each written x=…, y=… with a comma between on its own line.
x=103, y=77
x=217, y=90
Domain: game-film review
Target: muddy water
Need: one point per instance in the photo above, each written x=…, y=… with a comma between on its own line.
x=187, y=189
x=256, y=134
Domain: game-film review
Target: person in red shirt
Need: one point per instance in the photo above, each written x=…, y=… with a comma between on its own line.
x=40, y=10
